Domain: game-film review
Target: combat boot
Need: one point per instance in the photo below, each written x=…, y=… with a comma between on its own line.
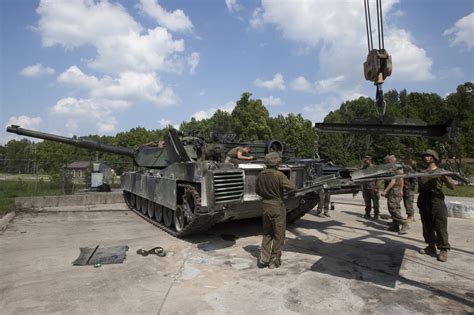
x=429, y=250
x=411, y=218
x=443, y=255
x=367, y=216
x=404, y=229
x=326, y=214
x=320, y=214
x=262, y=264
x=376, y=216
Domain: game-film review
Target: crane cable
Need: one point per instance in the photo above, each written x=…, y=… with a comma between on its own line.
x=383, y=60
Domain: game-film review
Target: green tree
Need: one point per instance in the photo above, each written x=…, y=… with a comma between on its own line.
x=250, y=119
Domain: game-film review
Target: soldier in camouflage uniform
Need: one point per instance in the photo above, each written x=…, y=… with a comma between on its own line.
x=214, y=152
x=370, y=192
x=270, y=186
x=409, y=166
x=237, y=154
x=393, y=192
x=433, y=211
x=323, y=203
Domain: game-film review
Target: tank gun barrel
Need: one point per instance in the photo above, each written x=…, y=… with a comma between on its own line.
x=81, y=143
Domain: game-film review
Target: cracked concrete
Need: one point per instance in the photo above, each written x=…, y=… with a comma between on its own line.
x=342, y=264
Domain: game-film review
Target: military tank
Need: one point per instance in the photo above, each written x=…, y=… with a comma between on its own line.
x=183, y=193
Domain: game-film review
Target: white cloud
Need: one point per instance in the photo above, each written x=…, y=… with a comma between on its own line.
x=271, y=101
x=98, y=111
x=75, y=23
x=108, y=125
x=73, y=76
x=193, y=62
x=24, y=122
x=205, y=114
x=328, y=85
x=277, y=83
x=72, y=124
x=36, y=70
x=257, y=21
x=153, y=51
x=175, y=21
x=233, y=5
x=317, y=112
x=129, y=86
x=301, y=84
x=337, y=30
x=120, y=42
x=462, y=33
x=411, y=62
x=337, y=86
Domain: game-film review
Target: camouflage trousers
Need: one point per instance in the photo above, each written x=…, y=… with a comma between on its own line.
x=274, y=228
x=324, y=200
x=371, y=198
x=393, y=205
x=408, y=199
x=434, y=217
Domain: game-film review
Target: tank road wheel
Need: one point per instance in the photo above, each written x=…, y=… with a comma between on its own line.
x=138, y=203
x=158, y=212
x=168, y=216
x=180, y=220
x=132, y=199
x=144, y=206
x=151, y=209
x=191, y=201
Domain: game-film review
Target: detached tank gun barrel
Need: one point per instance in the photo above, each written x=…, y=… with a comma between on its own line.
x=81, y=143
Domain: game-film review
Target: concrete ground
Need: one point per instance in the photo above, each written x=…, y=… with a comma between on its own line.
x=342, y=264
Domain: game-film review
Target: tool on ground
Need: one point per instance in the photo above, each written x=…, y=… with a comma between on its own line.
x=159, y=251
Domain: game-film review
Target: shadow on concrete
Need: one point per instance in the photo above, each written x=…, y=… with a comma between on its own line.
x=360, y=259
x=224, y=235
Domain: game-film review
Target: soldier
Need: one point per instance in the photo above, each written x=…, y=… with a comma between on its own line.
x=393, y=192
x=214, y=151
x=433, y=211
x=409, y=166
x=237, y=154
x=370, y=192
x=270, y=185
x=323, y=203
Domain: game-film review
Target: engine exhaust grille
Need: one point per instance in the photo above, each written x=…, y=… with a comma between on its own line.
x=228, y=186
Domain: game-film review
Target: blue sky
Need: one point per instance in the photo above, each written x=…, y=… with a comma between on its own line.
x=99, y=67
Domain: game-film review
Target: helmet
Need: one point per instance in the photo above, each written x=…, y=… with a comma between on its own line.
x=368, y=158
x=272, y=159
x=433, y=153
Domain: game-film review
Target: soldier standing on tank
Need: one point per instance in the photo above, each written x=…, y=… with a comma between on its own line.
x=370, y=192
x=237, y=154
x=393, y=192
x=433, y=210
x=270, y=186
x=409, y=166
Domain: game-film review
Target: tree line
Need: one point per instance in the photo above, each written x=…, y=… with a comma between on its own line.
x=250, y=121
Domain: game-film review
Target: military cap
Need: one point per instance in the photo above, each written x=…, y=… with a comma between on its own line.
x=272, y=159
x=433, y=153
x=368, y=158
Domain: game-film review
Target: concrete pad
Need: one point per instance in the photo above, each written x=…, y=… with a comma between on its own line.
x=342, y=264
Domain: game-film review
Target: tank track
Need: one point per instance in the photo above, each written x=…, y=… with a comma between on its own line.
x=302, y=210
x=199, y=223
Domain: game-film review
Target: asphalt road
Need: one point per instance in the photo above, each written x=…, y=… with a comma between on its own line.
x=342, y=264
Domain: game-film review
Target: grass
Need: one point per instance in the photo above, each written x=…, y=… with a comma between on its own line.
x=460, y=191
x=10, y=189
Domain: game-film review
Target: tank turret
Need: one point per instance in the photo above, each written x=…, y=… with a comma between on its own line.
x=147, y=155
